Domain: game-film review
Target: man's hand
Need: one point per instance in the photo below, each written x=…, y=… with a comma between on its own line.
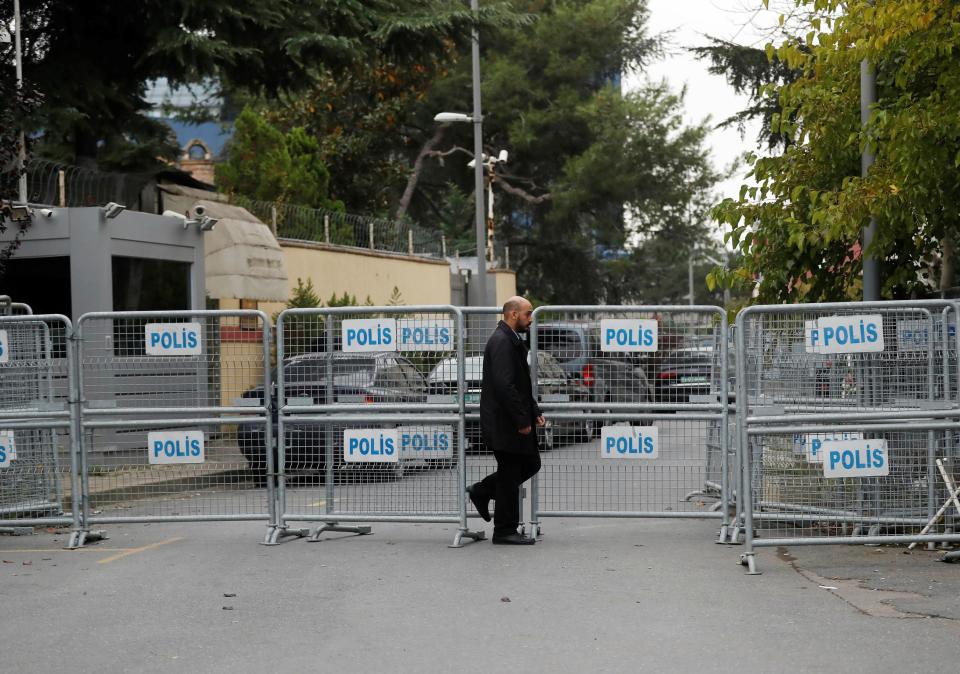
x=541, y=422
x=526, y=430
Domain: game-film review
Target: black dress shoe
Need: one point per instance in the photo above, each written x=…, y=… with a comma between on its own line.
x=513, y=539
x=482, y=505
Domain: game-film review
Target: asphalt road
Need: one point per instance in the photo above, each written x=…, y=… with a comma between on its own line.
x=600, y=595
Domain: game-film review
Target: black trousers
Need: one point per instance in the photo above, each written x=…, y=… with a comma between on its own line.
x=504, y=486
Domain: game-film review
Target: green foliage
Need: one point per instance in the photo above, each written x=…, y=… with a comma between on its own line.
x=396, y=298
x=93, y=60
x=751, y=72
x=591, y=169
x=263, y=163
x=347, y=300
x=799, y=229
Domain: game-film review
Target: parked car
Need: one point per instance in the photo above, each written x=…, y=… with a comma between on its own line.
x=553, y=385
x=609, y=377
x=357, y=378
x=683, y=372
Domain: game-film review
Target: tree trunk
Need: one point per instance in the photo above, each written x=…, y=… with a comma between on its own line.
x=417, y=170
x=947, y=263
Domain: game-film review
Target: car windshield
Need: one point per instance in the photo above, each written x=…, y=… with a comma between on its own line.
x=564, y=345
x=352, y=372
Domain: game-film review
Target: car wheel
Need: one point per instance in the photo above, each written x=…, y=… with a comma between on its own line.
x=547, y=439
x=590, y=430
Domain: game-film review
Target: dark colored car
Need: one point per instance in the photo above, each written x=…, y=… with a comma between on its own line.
x=553, y=385
x=356, y=378
x=609, y=377
x=684, y=372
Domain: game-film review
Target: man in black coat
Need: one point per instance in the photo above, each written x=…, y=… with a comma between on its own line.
x=508, y=415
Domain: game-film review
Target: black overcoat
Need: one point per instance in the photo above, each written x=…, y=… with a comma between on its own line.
x=506, y=395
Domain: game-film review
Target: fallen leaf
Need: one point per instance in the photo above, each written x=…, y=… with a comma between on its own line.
x=229, y=594
x=505, y=600
x=227, y=608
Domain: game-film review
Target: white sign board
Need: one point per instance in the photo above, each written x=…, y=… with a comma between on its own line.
x=168, y=447
x=845, y=334
x=810, y=445
x=425, y=335
x=8, y=450
x=914, y=334
x=4, y=347
x=629, y=442
x=371, y=445
x=360, y=335
x=628, y=334
x=9, y=441
x=425, y=442
x=855, y=458
x=173, y=339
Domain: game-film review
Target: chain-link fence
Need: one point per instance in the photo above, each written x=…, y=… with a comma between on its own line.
x=844, y=411
x=38, y=484
x=638, y=428
x=174, y=419
x=360, y=440
x=321, y=225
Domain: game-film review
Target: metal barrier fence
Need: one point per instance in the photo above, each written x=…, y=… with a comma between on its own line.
x=354, y=411
x=479, y=324
x=38, y=442
x=642, y=380
x=173, y=417
x=844, y=410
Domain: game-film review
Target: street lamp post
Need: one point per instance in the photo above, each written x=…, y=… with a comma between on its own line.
x=477, y=119
x=22, y=159
x=478, y=154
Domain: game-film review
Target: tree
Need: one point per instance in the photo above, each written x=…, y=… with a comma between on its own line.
x=16, y=106
x=93, y=60
x=799, y=228
x=591, y=169
x=263, y=163
x=750, y=71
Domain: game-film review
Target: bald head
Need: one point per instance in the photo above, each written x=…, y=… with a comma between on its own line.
x=518, y=313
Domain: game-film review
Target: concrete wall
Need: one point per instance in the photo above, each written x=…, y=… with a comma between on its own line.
x=90, y=241
x=506, y=284
x=362, y=273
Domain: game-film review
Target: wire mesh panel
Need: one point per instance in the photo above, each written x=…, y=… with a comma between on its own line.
x=636, y=398
x=37, y=480
x=363, y=437
x=479, y=324
x=175, y=418
x=174, y=470
x=844, y=410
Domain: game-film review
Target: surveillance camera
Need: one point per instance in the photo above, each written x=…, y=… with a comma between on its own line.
x=503, y=156
x=207, y=223
x=173, y=214
x=471, y=163
x=199, y=211
x=45, y=212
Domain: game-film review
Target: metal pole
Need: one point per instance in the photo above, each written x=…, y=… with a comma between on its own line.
x=690, y=276
x=871, y=266
x=22, y=159
x=478, y=164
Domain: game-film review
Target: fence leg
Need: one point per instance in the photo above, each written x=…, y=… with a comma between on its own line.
x=335, y=526
x=463, y=531
x=80, y=488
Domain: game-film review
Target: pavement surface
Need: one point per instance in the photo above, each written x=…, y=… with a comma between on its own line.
x=591, y=596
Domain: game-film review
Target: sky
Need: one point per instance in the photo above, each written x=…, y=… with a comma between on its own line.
x=741, y=21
